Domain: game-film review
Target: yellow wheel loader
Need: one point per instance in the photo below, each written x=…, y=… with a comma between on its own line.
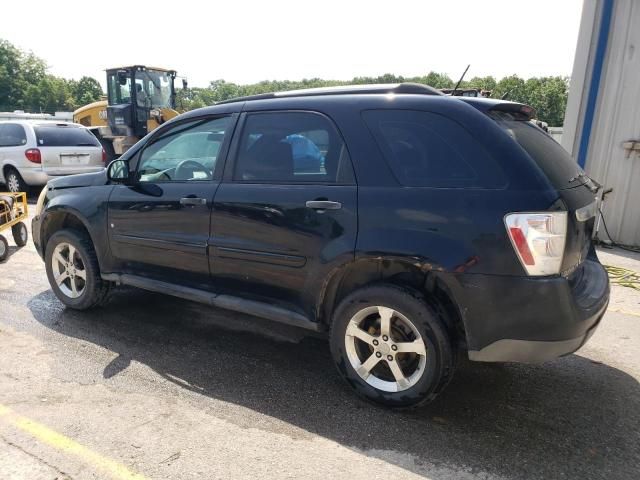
x=139, y=100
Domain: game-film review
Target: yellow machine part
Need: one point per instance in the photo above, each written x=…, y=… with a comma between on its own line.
x=92, y=115
x=166, y=114
x=95, y=115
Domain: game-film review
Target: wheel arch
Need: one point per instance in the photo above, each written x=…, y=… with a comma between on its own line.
x=60, y=218
x=396, y=271
x=6, y=165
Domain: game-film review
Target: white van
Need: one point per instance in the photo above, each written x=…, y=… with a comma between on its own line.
x=33, y=151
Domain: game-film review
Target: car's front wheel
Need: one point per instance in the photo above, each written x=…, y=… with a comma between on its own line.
x=391, y=346
x=73, y=270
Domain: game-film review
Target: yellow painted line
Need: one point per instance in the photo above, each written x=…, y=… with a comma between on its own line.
x=623, y=311
x=67, y=445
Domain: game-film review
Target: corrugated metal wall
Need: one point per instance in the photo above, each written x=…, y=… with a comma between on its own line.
x=616, y=117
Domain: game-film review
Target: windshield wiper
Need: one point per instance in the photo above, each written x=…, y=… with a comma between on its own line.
x=587, y=181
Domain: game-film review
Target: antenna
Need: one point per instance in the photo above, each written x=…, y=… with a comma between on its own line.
x=506, y=94
x=460, y=81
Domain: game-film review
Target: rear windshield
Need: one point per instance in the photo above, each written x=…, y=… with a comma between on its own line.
x=57, y=136
x=561, y=170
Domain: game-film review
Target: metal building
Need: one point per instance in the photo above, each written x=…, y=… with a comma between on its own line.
x=602, y=121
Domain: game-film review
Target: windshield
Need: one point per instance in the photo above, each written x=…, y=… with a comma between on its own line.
x=153, y=89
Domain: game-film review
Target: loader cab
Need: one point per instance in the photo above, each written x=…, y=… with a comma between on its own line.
x=136, y=94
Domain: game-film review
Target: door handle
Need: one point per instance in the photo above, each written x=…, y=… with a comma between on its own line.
x=323, y=205
x=193, y=201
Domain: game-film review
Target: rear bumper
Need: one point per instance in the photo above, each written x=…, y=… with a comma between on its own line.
x=38, y=177
x=532, y=351
x=34, y=176
x=531, y=320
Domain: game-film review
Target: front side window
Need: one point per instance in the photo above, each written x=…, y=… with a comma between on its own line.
x=12, y=135
x=187, y=152
x=118, y=93
x=426, y=149
x=291, y=147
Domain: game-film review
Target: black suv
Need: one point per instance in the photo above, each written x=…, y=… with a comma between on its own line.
x=408, y=225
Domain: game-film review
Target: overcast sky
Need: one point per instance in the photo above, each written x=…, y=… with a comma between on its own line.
x=244, y=41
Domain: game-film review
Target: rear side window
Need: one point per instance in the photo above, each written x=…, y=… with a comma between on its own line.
x=291, y=147
x=12, y=135
x=426, y=149
x=552, y=159
x=57, y=136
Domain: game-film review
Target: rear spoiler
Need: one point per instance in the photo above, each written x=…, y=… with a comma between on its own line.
x=519, y=110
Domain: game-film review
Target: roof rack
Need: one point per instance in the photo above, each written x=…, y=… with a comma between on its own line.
x=407, y=88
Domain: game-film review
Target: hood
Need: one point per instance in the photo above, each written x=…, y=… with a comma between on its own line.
x=81, y=180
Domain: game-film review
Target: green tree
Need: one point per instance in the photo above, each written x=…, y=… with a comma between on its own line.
x=25, y=84
x=483, y=83
x=550, y=99
x=18, y=70
x=87, y=90
x=512, y=88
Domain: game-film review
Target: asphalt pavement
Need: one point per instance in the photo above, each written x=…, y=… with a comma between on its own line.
x=161, y=388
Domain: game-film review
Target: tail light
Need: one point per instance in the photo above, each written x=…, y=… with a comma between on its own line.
x=104, y=156
x=33, y=155
x=539, y=240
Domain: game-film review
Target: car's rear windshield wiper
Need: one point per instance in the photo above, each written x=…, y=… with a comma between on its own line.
x=587, y=181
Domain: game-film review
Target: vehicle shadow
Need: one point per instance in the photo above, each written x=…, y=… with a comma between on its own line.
x=571, y=418
x=12, y=249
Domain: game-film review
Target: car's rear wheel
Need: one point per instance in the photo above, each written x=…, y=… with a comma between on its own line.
x=73, y=270
x=14, y=181
x=391, y=346
x=20, y=234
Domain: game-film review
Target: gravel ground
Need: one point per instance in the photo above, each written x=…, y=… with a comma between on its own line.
x=162, y=388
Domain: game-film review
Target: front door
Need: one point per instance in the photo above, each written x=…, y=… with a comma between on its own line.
x=286, y=213
x=159, y=227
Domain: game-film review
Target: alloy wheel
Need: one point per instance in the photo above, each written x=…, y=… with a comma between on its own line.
x=13, y=183
x=385, y=349
x=69, y=270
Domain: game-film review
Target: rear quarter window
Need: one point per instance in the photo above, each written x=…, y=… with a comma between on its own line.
x=12, y=135
x=57, y=136
x=425, y=149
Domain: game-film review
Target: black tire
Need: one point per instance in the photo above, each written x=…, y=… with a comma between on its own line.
x=4, y=249
x=14, y=181
x=108, y=149
x=96, y=290
x=20, y=234
x=440, y=357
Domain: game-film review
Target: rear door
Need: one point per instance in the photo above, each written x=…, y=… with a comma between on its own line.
x=67, y=149
x=159, y=227
x=286, y=212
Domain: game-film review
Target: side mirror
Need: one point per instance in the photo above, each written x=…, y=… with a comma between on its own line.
x=122, y=77
x=118, y=172
x=184, y=84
